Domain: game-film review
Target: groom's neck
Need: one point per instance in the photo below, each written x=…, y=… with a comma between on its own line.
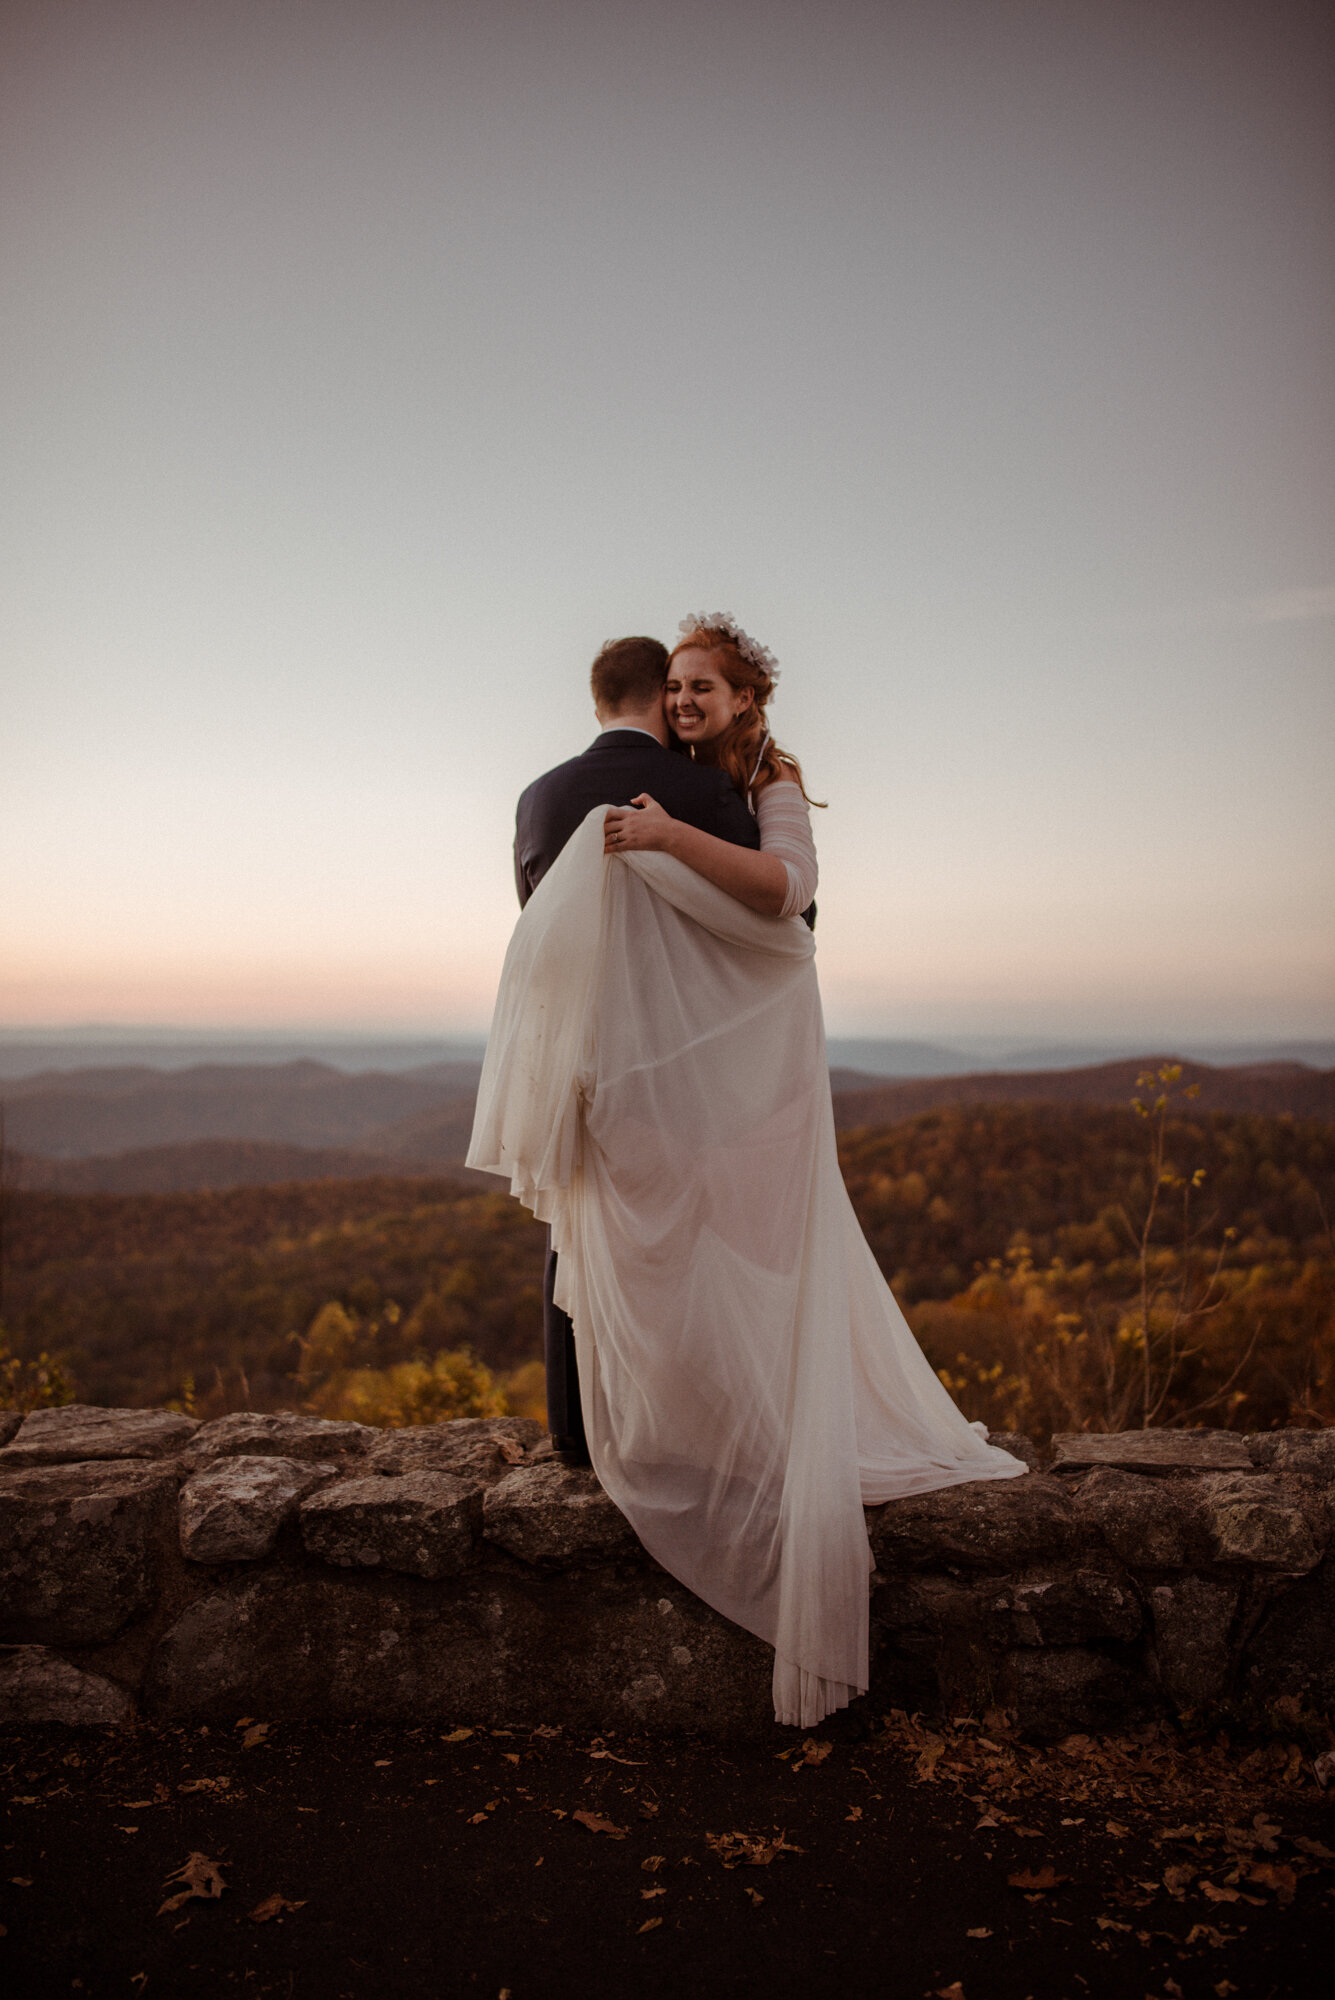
x=649, y=719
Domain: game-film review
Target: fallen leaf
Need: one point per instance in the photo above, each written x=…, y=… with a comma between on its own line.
x=201, y=1877
x=1214, y=1895
x=952, y=1992
x=1277, y=1876
x=1116, y=1829
x=273, y=1906
x=478, y=1819
x=140, y=1805
x=649, y=1924
x=652, y=1863
x=206, y=1785
x=928, y=1759
x=756, y=1898
x=1073, y=1822
x=596, y=1825
x=1111, y=1924
x=981, y=1932
x=815, y=1753
x=647, y=1895
x=1177, y=1880
x=382, y=1763
x=854, y=1812
x=510, y=1756
x=1207, y=1932
x=638, y=1762
x=1039, y=1880
x=255, y=1734
x=986, y=1820
x=757, y=1850
x=462, y=1735
x=1315, y=1848
x=21, y=1881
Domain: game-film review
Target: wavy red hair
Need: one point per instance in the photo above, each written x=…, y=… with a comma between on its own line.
x=738, y=750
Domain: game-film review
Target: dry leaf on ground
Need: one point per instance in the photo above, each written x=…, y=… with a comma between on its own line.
x=981, y=1932
x=756, y=1850
x=1037, y=1880
x=461, y=1736
x=952, y=1992
x=649, y=1924
x=201, y=1877
x=274, y=1906
x=812, y=1753
x=1277, y=1876
x=255, y=1734
x=652, y=1863
x=596, y=1825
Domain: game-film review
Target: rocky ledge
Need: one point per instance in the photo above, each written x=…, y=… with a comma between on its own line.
x=285, y=1566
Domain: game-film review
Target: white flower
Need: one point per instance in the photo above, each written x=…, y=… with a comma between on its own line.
x=723, y=621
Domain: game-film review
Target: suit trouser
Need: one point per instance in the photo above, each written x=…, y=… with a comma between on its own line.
x=565, y=1413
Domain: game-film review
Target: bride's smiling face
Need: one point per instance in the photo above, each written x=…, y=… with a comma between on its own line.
x=698, y=699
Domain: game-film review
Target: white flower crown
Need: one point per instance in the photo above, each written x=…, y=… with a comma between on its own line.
x=723, y=621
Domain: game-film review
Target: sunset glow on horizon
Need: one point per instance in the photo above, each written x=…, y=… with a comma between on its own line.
x=366, y=368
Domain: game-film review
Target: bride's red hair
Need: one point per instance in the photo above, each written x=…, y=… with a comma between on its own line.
x=738, y=750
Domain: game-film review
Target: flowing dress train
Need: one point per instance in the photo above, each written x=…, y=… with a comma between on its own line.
x=656, y=1089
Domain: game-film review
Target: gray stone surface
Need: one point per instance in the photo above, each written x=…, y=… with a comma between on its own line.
x=1192, y=1621
x=1019, y=1446
x=234, y=1510
x=1254, y=1519
x=481, y=1449
x=1292, y=1652
x=81, y=1431
x=1064, y=1607
x=498, y=1649
x=80, y=1549
x=422, y=1523
x=36, y=1685
x=1148, y=1523
x=282, y=1435
x=1311, y=1453
x=548, y=1514
x=9, y=1423
x=1151, y=1451
x=1057, y=1690
x=988, y=1524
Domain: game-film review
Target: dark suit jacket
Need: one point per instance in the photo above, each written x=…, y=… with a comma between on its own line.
x=614, y=769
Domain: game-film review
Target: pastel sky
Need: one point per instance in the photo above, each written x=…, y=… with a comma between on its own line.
x=365, y=364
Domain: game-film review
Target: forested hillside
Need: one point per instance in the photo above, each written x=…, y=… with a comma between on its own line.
x=1007, y=1232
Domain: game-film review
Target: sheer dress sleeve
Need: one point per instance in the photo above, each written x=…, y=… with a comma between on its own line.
x=785, y=830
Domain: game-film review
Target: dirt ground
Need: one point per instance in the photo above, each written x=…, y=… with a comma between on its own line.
x=886, y=1858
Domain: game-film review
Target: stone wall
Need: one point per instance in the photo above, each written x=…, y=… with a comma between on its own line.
x=283, y=1566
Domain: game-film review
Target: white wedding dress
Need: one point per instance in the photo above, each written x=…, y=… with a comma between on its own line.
x=655, y=1088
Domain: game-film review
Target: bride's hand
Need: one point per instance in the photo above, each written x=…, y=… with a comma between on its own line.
x=643, y=825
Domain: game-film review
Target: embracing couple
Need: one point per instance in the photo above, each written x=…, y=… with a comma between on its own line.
x=721, y=1345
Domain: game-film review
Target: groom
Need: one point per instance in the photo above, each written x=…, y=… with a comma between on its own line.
x=630, y=756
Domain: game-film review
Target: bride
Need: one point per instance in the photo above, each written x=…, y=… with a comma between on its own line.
x=655, y=1088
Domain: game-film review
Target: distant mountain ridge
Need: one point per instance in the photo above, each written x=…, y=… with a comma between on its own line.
x=137, y=1131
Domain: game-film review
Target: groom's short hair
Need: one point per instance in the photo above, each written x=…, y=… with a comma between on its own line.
x=628, y=673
